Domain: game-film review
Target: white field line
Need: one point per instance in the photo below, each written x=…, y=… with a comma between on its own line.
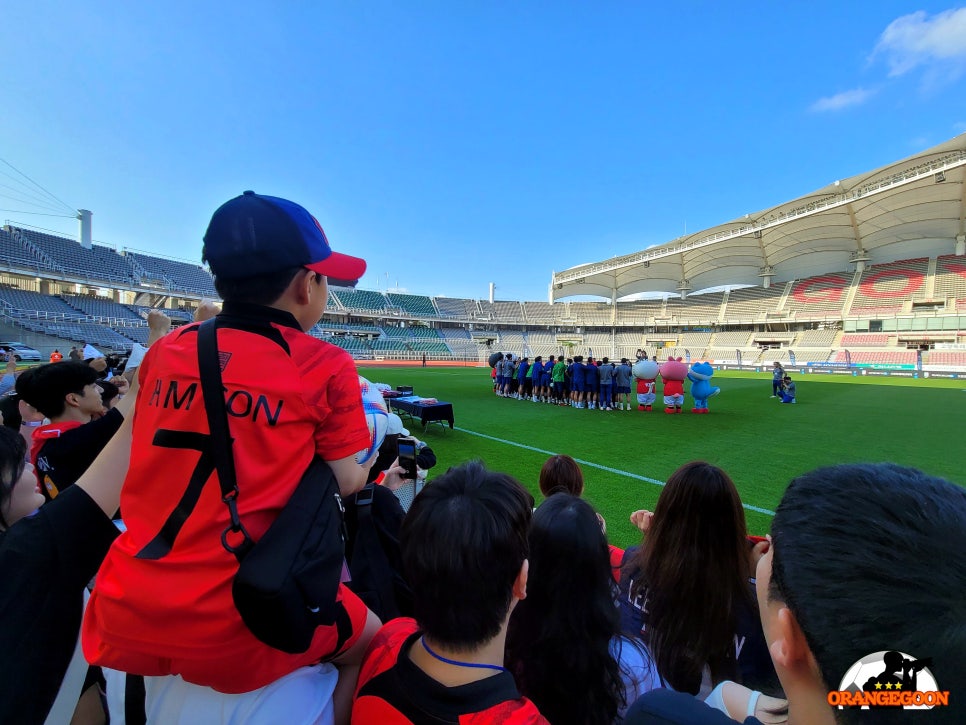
x=619, y=472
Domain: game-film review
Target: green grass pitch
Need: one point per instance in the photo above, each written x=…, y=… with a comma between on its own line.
x=761, y=443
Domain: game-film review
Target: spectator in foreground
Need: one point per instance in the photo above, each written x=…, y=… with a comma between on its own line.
x=48, y=554
x=861, y=560
x=162, y=606
x=464, y=548
x=565, y=650
x=68, y=394
x=688, y=590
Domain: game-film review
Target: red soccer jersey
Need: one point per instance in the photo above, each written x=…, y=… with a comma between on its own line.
x=393, y=691
x=288, y=397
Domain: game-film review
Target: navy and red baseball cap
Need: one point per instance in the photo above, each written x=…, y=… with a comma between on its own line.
x=253, y=235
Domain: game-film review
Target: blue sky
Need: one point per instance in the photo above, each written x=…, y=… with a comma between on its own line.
x=457, y=144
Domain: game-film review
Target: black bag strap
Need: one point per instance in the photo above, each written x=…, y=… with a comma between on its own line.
x=209, y=368
x=372, y=574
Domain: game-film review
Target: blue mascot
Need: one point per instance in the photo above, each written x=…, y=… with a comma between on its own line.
x=701, y=389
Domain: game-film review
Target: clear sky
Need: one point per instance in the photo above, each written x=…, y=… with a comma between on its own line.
x=454, y=144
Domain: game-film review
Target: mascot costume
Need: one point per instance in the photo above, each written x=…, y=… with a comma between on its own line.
x=701, y=388
x=646, y=372
x=673, y=372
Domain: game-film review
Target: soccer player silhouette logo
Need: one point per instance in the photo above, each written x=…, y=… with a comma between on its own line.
x=899, y=673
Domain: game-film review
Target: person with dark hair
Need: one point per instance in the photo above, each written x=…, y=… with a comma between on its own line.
x=169, y=615
x=48, y=554
x=69, y=395
x=464, y=549
x=558, y=375
x=536, y=374
x=10, y=411
x=577, y=381
x=622, y=383
x=561, y=474
x=571, y=660
x=862, y=559
x=826, y=601
x=787, y=392
x=687, y=589
x=524, y=384
x=605, y=373
x=110, y=394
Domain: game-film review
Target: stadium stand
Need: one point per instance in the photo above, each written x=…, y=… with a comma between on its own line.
x=358, y=299
x=951, y=279
x=884, y=288
x=353, y=345
x=891, y=357
x=424, y=333
x=538, y=313
x=639, y=312
x=695, y=340
x=23, y=302
x=819, y=297
x=543, y=343
x=175, y=274
x=382, y=345
x=947, y=357
x=864, y=340
x=816, y=338
x=457, y=308
x=752, y=302
x=698, y=309
x=733, y=339
x=509, y=312
x=512, y=341
x=14, y=253
x=98, y=262
x=101, y=307
x=591, y=313
x=417, y=305
x=437, y=347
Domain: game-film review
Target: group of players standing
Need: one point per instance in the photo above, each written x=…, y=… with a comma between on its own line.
x=579, y=383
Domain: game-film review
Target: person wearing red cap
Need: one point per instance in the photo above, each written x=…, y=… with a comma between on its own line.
x=162, y=606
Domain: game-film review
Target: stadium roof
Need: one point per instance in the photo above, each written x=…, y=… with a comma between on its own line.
x=911, y=208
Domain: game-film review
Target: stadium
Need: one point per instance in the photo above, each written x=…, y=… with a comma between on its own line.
x=867, y=274
x=865, y=278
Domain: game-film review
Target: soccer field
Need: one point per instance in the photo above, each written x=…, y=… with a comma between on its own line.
x=761, y=443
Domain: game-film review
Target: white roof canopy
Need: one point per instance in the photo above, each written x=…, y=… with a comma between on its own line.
x=912, y=208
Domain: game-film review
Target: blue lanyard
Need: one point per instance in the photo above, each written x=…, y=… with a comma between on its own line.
x=448, y=661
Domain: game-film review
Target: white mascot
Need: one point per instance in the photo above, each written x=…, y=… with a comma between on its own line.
x=646, y=373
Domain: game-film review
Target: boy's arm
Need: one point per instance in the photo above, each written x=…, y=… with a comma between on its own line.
x=350, y=475
x=102, y=480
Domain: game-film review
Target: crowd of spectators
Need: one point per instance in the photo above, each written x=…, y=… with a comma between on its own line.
x=509, y=613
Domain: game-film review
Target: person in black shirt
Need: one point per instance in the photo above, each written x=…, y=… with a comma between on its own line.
x=48, y=553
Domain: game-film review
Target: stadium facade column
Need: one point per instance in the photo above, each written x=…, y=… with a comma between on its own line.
x=961, y=244
x=766, y=273
x=684, y=286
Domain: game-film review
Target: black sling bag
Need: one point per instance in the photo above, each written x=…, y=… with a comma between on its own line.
x=287, y=582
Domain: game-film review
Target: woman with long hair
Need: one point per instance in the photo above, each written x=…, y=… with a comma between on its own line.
x=563, y=644
x=688, y=590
